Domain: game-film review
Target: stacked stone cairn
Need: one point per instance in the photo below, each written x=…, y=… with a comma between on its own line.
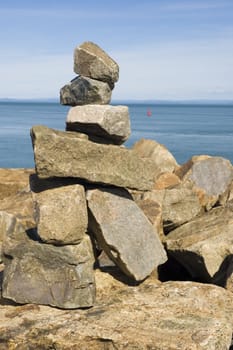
x=82, y=201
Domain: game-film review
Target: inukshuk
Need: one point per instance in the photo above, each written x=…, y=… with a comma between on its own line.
x=56, y=266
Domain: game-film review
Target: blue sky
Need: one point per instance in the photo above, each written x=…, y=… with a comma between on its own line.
x=166, y=49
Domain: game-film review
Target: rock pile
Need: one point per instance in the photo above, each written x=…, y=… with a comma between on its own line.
x=98, y=220
x=96, y=207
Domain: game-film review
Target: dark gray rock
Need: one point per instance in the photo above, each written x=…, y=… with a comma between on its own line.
x=83, y=90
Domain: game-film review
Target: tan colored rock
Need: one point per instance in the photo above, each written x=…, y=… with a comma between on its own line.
x=153, y=211
x=124, y=232
x=61, y=215
x=211, y=178
x=13, y=181
x=164, y=160
x=21, y=206
x=203, y=244
x=108, y=122
x=91, y=61
x=63, y=154
x=166, y=180
x=46, y=274
x=179, y=204
x=83, y=90
x=173, y=315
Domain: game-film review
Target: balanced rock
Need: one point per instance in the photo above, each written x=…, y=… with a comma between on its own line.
x=83, y=90
x=204, y=244
x=64, y=154
x=61, y=215
x=91, y=61
x=108, y=122
x=211, y=178
x=45, y=274
x=124, y=232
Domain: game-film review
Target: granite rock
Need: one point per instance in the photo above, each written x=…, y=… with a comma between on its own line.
x=61, y=215
x=91, y=61
x=124, y=232
x=83, y=91
x=57, y=276
x=64, y=154
x=108, y=122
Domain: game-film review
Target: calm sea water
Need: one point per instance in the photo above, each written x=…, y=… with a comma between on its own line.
x=186, y=130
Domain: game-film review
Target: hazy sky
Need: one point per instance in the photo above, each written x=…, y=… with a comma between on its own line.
x=166, y=49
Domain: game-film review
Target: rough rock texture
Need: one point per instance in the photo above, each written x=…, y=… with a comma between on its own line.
x=8, y=225
x=179, y=205
x=203, y=246
x=91, y=61
x=164, y=160
x=211, y=177
x=108, y=122
x=61, y=215
x=171, y=316
x=166, y=180
x=57, y=276
x=153, y=211
x=82, y=91
x=124, y=232
x=13, y=181
x=21, y=206
x=63, y=154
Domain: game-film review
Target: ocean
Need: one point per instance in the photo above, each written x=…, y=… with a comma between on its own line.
x=185, y=129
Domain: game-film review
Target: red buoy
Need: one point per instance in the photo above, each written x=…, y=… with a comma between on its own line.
x=149, y=113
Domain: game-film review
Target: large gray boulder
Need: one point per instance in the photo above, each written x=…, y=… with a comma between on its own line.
x=204, y=244
x=211, y=178
x=61, y=215
x=83, y=90
x=108, y=122
x=124, y=232
x=45, y=274
x=91, y=61
x=64, y=154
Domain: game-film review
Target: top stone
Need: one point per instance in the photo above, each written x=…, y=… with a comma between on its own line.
x=91, y=61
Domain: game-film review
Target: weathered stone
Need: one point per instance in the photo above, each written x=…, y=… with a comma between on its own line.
x=108, y=122
x=153, y=211
x=61, y=215
x=46, y=274
x=203, y=244
x=166, y=180
x=91, y=61
x=172, y=315
x=63, y=154
x=8, y=225
x=13, y=181
x=211, y=178
x=21, y=206
x=82, y=91
x=179, y=204
x=164, y=160
x=124, y=232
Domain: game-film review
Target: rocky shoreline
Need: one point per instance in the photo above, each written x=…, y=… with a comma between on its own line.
x=103, y=247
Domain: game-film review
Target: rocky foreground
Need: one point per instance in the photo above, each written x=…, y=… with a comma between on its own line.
x=103, y=247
